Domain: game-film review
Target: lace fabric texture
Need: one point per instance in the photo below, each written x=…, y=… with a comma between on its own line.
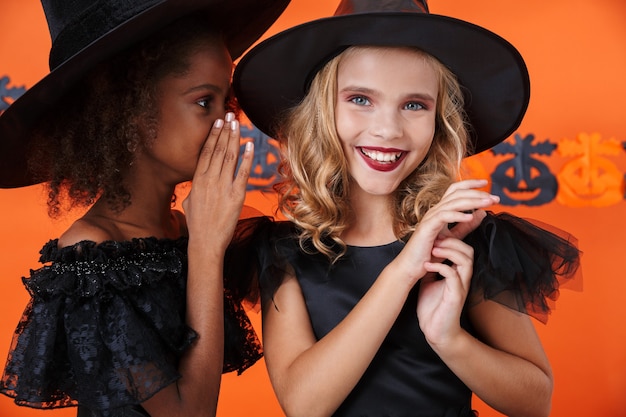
x=105, y=326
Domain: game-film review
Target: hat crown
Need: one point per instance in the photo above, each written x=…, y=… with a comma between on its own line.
x=377, y=6
x=74, y=24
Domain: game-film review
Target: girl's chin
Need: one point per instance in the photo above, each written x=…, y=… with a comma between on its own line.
x=380, y=190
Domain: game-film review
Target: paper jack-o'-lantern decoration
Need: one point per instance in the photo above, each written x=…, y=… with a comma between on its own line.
x=8, y=94
x=589, y=179
x=264, y=171
x=523, y=179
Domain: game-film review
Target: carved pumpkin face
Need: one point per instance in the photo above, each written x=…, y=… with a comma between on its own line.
x=590, y=179
x=523, y=179
x=264, y=171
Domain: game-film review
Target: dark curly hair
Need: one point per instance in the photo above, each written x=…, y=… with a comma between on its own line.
x=85, y=145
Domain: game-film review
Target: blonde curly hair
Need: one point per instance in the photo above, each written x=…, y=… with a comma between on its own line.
x=315, y=185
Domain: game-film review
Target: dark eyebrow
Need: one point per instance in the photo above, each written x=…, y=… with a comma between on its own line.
x=211, y=87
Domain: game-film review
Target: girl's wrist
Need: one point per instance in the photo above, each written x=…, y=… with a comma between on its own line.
x=199, y=246
x=452, y=346
x=403, y=274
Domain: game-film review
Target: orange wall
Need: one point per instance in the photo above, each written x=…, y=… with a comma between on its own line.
x=576, y=54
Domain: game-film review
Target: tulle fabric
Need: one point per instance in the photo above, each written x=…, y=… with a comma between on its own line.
x=522, y=263
x=105, y=326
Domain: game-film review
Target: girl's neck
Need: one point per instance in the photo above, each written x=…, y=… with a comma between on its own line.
x=372, y=222
x=149, y=214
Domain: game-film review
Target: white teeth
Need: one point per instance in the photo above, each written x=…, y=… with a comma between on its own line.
x=382, y=156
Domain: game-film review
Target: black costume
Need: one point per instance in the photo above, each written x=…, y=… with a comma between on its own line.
x=105, y=327
x=515, y=263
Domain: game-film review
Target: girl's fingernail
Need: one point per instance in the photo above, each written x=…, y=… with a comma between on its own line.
x=233, y=125
x=249, y=146
x=219, y=123
x=230, y=117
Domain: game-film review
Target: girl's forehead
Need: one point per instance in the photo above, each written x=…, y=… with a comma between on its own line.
x=385, y=59
x=385, y=63
x=382, y=50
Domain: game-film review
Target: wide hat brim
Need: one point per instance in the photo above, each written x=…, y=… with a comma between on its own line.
x=243, y=21
x=275, y=74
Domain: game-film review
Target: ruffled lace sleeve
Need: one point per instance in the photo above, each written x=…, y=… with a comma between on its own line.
x=522, y=264
x=105, y=326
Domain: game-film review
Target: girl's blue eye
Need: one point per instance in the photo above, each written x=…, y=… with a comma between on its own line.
x=413, y=106
x=360, y=100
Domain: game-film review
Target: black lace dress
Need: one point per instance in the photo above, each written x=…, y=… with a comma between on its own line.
x=516, y=264
x=105, y=327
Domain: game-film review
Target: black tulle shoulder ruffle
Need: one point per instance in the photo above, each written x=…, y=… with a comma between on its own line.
x=522, y=263
x=105, y=326
x=517, y=263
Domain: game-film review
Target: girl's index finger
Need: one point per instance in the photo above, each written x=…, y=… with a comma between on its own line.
x=226, y=150
x=206, y=152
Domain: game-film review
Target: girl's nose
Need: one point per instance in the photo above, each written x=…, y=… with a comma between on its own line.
x=386, y=124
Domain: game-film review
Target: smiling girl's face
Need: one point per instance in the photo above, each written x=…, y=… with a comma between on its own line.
x=385, y=114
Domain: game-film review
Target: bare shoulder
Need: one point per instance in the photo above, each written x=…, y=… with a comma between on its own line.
x=84, y=229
